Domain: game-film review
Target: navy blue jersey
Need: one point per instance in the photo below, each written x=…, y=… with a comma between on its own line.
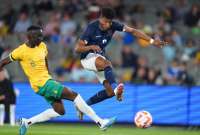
x=93, y=35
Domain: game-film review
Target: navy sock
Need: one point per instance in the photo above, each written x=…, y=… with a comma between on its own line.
x=100, y=96
x=110, y=77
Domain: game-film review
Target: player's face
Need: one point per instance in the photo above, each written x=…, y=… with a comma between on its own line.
x=105, y=23
x=35, y=37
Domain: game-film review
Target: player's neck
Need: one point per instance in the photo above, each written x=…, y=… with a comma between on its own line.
x=31, y=45
x=101, y=27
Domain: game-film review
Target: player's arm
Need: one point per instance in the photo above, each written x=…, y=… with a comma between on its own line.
x=82, y=46
x=4, y=62
x=142, y=35
x=15, y=55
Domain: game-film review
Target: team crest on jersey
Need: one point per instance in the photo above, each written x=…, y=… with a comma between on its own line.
x=32, y=63
x=104, y=41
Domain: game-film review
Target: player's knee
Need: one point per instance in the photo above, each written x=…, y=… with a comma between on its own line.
x=107, y=66
x=108, y=63
x=61, y=112
x=73, y=95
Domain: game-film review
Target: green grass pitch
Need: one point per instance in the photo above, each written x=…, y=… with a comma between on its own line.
x=90, y=129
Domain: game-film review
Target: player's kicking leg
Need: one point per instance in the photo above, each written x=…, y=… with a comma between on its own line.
x=44, y=116
x=109, y=81
x=54, y=96
x=83, y=107
x=103, y=68
x=106, y=77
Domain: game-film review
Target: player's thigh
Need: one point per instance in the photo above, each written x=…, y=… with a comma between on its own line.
x=89, y=62
x=68, y=94
x=58, y=107
x=101, y=63
x=51, y=91
x=94, y=62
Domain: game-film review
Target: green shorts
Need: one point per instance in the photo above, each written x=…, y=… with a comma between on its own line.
x=51, y=91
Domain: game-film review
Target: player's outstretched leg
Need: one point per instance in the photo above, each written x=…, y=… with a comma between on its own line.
x=83, y=107
x=44, y=116
x=103, y=94
x=111, y=87
x=98, y=97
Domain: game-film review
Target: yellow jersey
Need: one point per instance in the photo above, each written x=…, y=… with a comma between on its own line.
x=32, y=61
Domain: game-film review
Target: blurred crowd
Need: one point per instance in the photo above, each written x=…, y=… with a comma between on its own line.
x=134, y=61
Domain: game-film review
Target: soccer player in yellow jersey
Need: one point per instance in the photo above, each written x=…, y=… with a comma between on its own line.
x=32, y=56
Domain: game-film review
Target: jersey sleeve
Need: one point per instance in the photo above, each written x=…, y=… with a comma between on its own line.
x=86, y=34
x=116, y=26
x=16, y=54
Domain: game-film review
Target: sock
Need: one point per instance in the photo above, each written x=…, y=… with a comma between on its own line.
x=110, y=77
x=44, y=116
x=12, y=115
x=100, y=96
x=83, y=107
x=2, y=114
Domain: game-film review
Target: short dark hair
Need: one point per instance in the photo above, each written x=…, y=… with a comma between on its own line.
x=33, y=27
x=107, y=12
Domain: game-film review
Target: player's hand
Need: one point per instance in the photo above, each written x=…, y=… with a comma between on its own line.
x=159, y=43
x=95, y=48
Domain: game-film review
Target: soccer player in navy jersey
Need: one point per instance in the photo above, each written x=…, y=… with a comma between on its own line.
x=91, y=47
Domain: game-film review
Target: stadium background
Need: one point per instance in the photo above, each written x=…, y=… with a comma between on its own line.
x=163, y=81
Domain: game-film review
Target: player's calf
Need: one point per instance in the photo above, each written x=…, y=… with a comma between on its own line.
x=109, y=91
x=68, y=94
x=58, y=107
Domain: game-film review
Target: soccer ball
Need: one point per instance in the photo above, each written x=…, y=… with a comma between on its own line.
x=143, y=119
